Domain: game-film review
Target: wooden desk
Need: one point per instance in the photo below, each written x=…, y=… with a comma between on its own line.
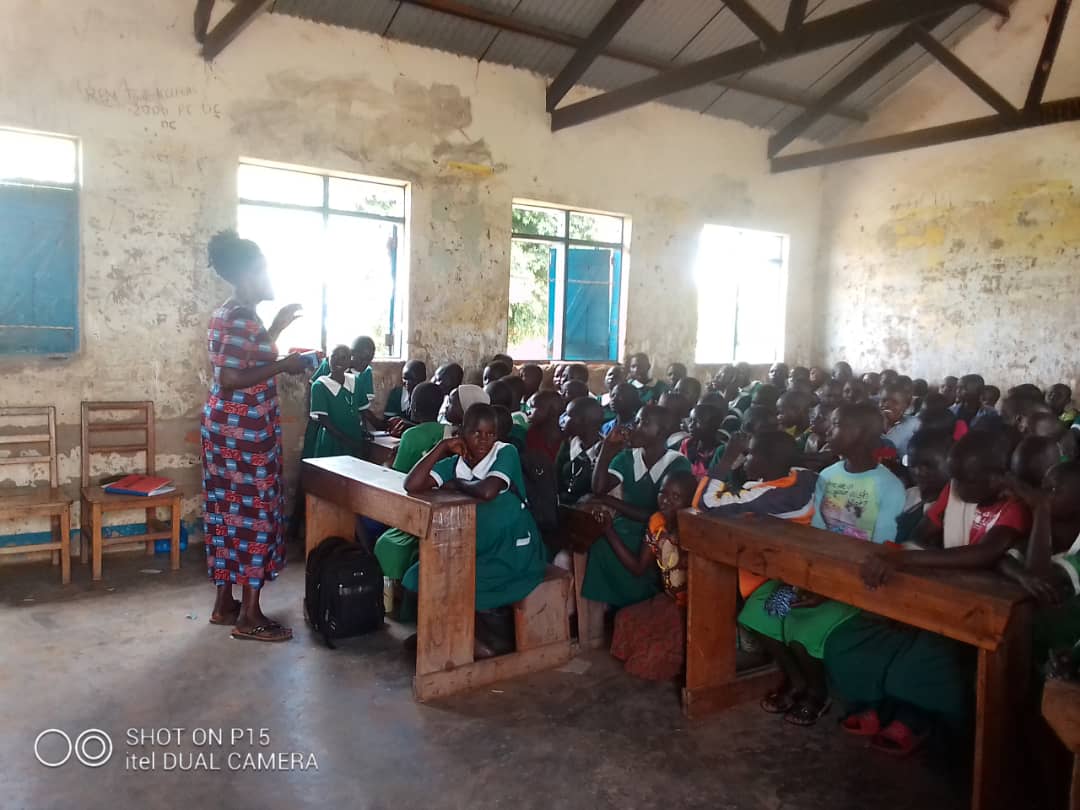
x=978, y=609
x=381, y=448
x=339, y=488
x=1061, y=708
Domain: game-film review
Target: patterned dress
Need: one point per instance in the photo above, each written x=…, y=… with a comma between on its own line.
x=242, y=461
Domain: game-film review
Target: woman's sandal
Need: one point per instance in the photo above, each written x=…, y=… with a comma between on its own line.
x=780, y=701
x=863, y=724
x=897, y=740
x=272, y=633
x=807, y=711
x=234, y=613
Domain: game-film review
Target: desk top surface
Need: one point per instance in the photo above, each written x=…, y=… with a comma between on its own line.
x=351, y=471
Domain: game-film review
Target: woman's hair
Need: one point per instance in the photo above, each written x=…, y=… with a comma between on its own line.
x=479, y=412
x=230, y=256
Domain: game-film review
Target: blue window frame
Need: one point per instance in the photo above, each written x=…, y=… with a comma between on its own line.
x=565, y=283
x=39, y=243
x=332, y=245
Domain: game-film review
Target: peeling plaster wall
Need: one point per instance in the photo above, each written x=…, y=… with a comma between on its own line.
x=963, y=257
x=162, y=132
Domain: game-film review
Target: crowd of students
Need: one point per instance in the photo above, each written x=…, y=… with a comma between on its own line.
x=949, y=476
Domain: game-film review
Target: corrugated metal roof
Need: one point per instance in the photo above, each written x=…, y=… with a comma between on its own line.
x=660, y=31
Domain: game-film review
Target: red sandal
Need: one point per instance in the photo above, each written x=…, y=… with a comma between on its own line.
x=897, y=740
x=863, y=724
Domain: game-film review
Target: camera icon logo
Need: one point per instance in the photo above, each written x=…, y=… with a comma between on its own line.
x=93, y=748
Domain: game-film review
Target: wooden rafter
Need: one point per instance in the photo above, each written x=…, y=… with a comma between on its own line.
x=752, y=19
x=203, y=10
x=1049, y=52
x=960, y=70
x=230, y=26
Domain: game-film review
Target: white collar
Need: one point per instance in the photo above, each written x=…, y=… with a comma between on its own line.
x=482, y=468
x=335, y=387
x=639, y=384
x=577, y=447
x=656, y=472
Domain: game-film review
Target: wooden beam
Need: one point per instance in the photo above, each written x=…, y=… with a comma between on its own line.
x=796, y=14
x=513, y=25
x=1050, y=112
x=863, y=20
x=1049, y=51
x=752, y=19
x=863, y=73
x=958, y=68
x=594, y=44
x=203, y=10
x=230, y=26
x=999, y=7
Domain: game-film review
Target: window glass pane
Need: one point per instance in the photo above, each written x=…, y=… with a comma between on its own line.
x=595, y=227
x=279, y=185
x=532, y=275
x=292, y=243
x=759, y=335
x=587, y=321
x=359, y=273
x=370, y=198
x=534, y=221
x=43, y=158
x=716, y=299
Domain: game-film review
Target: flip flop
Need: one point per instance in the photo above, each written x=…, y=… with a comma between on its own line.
x=807, y=712
x=863, y=724
x=897, y=740
x=781, y=701
x=271, y=633
x=236, y=610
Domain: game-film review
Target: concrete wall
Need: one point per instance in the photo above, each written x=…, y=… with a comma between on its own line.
x=963, y=257
x=162, y=132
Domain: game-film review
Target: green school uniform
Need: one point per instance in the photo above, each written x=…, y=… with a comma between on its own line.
x=518, y=434
x=520, y=418
x=312, y=429
x=650, y=391
x=606, y=579
x=341, y=404
x=509, y=548
x=397, y=550
x=397, y=404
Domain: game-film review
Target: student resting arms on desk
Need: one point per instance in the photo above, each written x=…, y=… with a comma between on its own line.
x=633, y=462
x=509, y=548
x=650, y=637
x=856, y=497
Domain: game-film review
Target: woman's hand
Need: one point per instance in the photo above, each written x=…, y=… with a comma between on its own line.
x=294, y=364
x=286, y=315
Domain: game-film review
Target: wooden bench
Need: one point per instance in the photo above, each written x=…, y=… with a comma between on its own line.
x=581, y=530
x=338, y=489
x=1061, y=708
x=975, y=608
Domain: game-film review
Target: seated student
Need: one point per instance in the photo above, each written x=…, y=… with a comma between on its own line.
x=558, y=376
x=689, y=387
x=821, y=417
x=1049, y=426
x=969, y=407
x=759, y=419
x=818, y=377
x=505, y=359
x=336, y=406
x=625, y=403
x=580, y=448
x=793, y=416
x=638, y=376
x=501, y=394
x=1059, y=398
x=887, y=377
x=949, y=388
x=991, y=395
x=777, y=377
x=853, y=393
x=919, y=389
x=704, y=446
x=517, y=391
x=396, y=412
x=731, y=422
x=680, y=412
x=509, y=548
x=928, y=466
x=799, y=380
x=676, y=372
x=741, y=393
x=572, y=389
x=458, y=402
x=871, y=381
x=765, y=395
x=898, y=681
x=448, y=377
x=841, y=372
x=830, y=395
x=614, y=376
x=856, y=497
x=397, y=550
x=504, y=427
x=544, y=435
x=496, y=370
x=1032, y=459
x=579, y=372
x=899, y=425
x=532, y=377
x=650, y=637
x=774, y=487
x=634, y=462
x=936, y=415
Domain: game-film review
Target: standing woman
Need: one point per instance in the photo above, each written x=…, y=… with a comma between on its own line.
x=241, y=441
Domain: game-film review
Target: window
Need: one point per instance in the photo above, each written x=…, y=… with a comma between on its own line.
x=565, y=283
x=39, y=243
x=331, y=244
x=742, y=286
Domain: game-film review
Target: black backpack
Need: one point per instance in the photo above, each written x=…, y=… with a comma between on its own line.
x=541, y=494
x=344, y=590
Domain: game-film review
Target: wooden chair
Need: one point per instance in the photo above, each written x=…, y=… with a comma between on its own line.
x=36, y=501
x=96, y=502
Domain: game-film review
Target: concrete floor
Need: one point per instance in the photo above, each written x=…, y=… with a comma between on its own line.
x=135, y=652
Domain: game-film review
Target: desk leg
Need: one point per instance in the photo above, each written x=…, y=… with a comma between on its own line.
x=590, y=614
x=711, y=634
x=1002, y=681
x=324, y=519
x=446, y=613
